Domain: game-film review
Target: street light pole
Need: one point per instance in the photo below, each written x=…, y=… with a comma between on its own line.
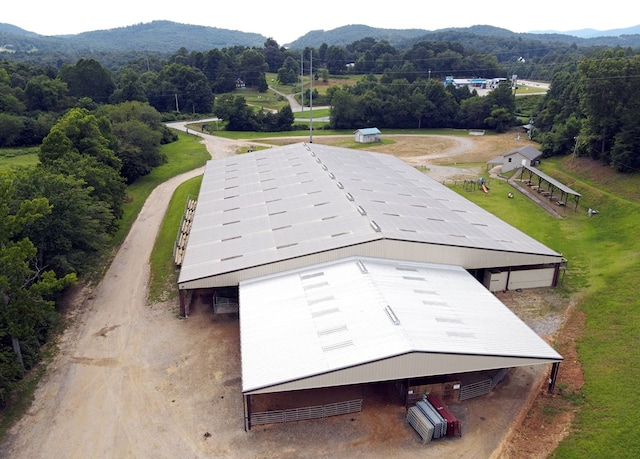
x=311, y=96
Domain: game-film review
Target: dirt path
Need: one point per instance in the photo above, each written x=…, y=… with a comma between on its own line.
x=132, y=380
x=101, y=397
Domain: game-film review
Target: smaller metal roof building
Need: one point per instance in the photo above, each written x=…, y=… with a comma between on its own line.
x=359, y=320
x=526, y=151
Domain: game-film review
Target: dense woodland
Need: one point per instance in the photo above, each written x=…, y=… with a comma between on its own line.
x=99, y=126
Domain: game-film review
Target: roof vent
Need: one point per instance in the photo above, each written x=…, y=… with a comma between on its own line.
x=392, y=315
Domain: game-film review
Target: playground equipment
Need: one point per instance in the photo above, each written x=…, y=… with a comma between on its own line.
x=469, y=185
x=483, y=185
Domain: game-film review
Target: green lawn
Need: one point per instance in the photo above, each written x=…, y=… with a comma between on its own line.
x=164, y=273
x=604, y=266
x=17, y=157
x=185, y=155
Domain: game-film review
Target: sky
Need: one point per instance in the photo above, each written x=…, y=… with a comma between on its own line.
x=287, y=21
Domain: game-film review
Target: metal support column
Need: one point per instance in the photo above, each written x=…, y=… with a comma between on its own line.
x=552, y=378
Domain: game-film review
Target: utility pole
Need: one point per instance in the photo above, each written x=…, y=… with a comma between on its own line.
x=311, y=96
x=177, y=108
x=302, y=81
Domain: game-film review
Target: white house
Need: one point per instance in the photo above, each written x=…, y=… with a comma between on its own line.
x=522, y=156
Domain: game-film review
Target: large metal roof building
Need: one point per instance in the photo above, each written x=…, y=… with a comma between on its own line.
x=301, y=204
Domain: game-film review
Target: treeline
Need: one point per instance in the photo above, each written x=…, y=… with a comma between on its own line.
x=57, y=218
x=188, y=82
x=594, y=111
x=420, y=104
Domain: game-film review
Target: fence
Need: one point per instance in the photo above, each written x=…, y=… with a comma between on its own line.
x=185, y=229
x=309, y=412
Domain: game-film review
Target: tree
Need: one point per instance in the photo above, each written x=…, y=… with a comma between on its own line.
x=238, y=114
x=79, y=145
x=26, y=288
x=473, y=112
x=84, y=133
x=87, y=78
x=273, y=55
x=76, y=229
x=502, y=97
x=188, y=85
x=252, y=68
x=283, y=120
x=500, y=119
x=129, y=88
x=11, y=127
x=139, y=132
x=336, y=60
x=289, y=72
x=609, y=101
x=46, y=94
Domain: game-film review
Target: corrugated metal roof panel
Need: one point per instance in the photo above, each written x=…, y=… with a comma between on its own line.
x=379, y=197
x=342, y=314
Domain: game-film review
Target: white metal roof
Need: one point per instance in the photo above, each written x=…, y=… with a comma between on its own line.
x=369, y=131
x=527, y=151
x=336, y=316
x=292, y=201
x=561, y=186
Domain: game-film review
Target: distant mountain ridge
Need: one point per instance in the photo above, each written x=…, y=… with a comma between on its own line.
x=168, y=37
x=593, y=33
x=625, y=37
x=159, y=36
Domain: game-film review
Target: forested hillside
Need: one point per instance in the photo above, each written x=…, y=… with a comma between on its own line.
x=156, y=36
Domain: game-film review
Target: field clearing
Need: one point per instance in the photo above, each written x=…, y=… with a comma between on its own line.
x=17, y=157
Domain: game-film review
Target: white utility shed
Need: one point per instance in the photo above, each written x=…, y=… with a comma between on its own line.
x=367, y=135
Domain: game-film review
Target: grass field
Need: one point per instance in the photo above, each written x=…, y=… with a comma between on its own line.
x=17, y=157
x=187, y=154
x=604, y=261
x=164, y=271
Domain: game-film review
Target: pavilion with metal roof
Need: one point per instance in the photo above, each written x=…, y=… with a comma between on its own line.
x=553, y=185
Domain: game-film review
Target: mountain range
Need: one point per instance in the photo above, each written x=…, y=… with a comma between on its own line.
x=146, y=37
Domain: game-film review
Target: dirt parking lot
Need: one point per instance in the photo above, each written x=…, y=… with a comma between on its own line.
x=132, y=379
